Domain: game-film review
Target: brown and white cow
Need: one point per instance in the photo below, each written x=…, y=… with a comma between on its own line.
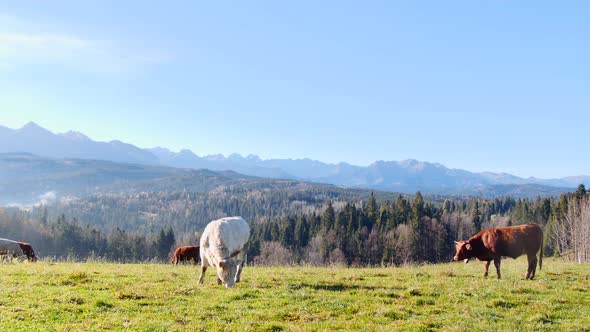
x=16, y=249
x=186, y=253
x=492, y=244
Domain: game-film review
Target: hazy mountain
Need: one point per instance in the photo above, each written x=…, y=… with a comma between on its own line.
x=37, y=140
x=403, y=176
x=26, y=178
x=187, y=159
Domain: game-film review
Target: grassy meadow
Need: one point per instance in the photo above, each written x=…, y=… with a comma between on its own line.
x=48, y=296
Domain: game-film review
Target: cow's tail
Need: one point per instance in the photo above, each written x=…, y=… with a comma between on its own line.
x=541, y=255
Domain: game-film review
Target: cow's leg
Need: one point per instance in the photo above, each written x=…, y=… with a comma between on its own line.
x=202, y=277
x=240, y=266
x=239, y=271
x=497, y=265
x=486, y=265
x=532, y=266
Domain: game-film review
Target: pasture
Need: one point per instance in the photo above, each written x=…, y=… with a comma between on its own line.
x=47, y=296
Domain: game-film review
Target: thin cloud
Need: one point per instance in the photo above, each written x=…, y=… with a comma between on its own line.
x=19, y=47
x=25, y=48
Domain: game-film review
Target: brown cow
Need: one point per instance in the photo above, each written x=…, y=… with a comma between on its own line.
x=28, y=251
x=186, y=253
x=492, y=244
x=16, y=249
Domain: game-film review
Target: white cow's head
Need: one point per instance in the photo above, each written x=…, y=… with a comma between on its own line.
x=226, y=270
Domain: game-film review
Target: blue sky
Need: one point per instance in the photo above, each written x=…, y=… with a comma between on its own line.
x=483, y=86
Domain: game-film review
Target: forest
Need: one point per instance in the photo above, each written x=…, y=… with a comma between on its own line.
x=288, y=227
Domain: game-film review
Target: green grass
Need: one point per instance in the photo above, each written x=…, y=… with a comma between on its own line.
x=48, y=296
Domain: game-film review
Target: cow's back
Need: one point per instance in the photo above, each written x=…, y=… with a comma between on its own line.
x=513, y=241
x=225, y=236
x=192, y=251
x=9, y=247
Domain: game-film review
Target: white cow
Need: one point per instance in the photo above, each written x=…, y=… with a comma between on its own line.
x=222, y=240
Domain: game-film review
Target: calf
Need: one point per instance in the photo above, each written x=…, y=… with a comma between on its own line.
x=221, y=242
x=492, y=244
x=16, y=249
x=186, y=253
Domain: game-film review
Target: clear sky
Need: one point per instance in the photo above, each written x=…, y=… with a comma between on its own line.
x=479, y=85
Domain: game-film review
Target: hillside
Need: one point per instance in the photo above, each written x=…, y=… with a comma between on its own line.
x=27, y=179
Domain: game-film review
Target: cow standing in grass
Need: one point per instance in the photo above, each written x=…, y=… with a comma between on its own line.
x=492, y=244
x=185, y=254
x=14, y=249
x=222, y=241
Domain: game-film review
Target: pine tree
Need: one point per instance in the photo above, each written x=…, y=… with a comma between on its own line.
x=328, y=218
x=446, y=206
x=417, y=227
x=170, y=238
x=477, y=217
x=301, y=232
x=164, y=242
x=417, y=210
x=372, y=211
x=581, y=191
x=403, y=211
x=44, y=216
x=352, y=219
x=383, y=218
x=287, y=234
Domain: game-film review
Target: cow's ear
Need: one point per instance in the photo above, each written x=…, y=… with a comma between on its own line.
x=468, y=246
x=222, y=263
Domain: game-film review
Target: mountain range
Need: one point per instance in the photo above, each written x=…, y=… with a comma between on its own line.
x=27, y=179
x=406, y=176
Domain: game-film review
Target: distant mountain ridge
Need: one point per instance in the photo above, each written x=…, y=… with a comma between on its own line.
x=402, y=176
x=37, y=140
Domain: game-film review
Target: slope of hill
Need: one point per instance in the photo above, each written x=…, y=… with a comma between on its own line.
x=26, y=178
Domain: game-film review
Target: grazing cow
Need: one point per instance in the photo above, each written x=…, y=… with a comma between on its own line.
x=492, y=244
x=186, y=253
x=222, y=240
x=17, y=249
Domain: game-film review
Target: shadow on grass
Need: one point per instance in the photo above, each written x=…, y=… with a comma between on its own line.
x=337, y=287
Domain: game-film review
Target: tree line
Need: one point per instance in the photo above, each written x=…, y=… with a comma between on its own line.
x=64, y=238
x=400, y=231
x=295, y=228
